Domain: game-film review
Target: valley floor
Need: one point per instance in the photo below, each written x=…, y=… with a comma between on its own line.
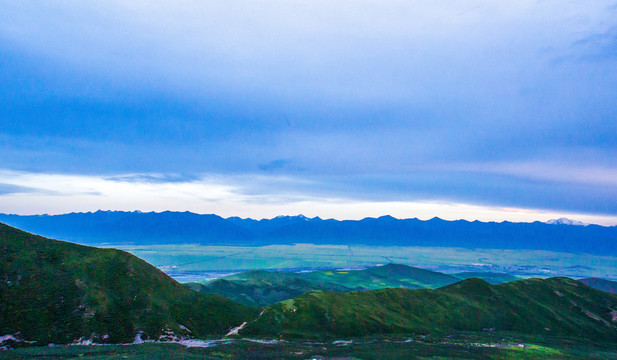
x=462, y=346
x=190, y=263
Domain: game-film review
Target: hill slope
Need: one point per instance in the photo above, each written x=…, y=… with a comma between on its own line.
x=261, y=288
x=557, y=306
x=601, y=284
x=379, y=277
x=491, y=278
x=54, y=291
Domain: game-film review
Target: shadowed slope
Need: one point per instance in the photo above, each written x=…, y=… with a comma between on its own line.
x=54, y=291
x=601, y=284
x=556, y=306
x=262, y=288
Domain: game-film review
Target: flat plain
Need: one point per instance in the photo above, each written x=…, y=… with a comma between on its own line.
x=188, y=263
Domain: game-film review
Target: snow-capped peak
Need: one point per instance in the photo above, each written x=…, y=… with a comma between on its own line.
x=565, y=221
x=299, y=217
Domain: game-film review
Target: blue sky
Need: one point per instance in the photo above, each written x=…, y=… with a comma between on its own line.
x=502, y=110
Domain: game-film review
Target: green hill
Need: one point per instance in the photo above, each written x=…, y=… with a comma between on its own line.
x=261, y=288
x=601, y=284
x=57, y=292
x=380, y=277
x=491, y=278
x=556, y=306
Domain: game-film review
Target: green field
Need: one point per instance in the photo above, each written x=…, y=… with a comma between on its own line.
x=526, y=263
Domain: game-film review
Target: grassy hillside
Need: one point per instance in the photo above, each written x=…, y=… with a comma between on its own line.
x=463, y=346
x=54, y=291
x=380, y=277
x=601, y=284
x=261, y=288
x=557, y=307
x=491, y=278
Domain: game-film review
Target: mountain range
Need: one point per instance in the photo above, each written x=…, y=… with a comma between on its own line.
x=117, y=227
x=566, y=221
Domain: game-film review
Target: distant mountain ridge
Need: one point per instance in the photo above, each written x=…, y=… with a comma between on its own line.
x=117, y=227
x=566, y=221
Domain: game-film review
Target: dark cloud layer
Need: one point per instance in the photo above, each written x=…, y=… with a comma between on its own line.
x=366, y=100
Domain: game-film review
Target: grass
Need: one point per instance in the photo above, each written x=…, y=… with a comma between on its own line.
x=262, y=288
x=492, y=278
x=556, y=307
x=56, y=292
x=458, y=346
x=391, y=275
x=53, y=291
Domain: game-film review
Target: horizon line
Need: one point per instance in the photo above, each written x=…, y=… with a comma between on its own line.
x=317, y=217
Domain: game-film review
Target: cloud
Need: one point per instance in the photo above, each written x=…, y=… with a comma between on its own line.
x=472, y=102
x=13, y=189
x=150, y=178
x=256, y=196
x=277, y=165
x=215, y=195
x=598, y=47
x=347, y=51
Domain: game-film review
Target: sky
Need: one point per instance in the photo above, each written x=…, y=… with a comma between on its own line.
x=474, y=109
